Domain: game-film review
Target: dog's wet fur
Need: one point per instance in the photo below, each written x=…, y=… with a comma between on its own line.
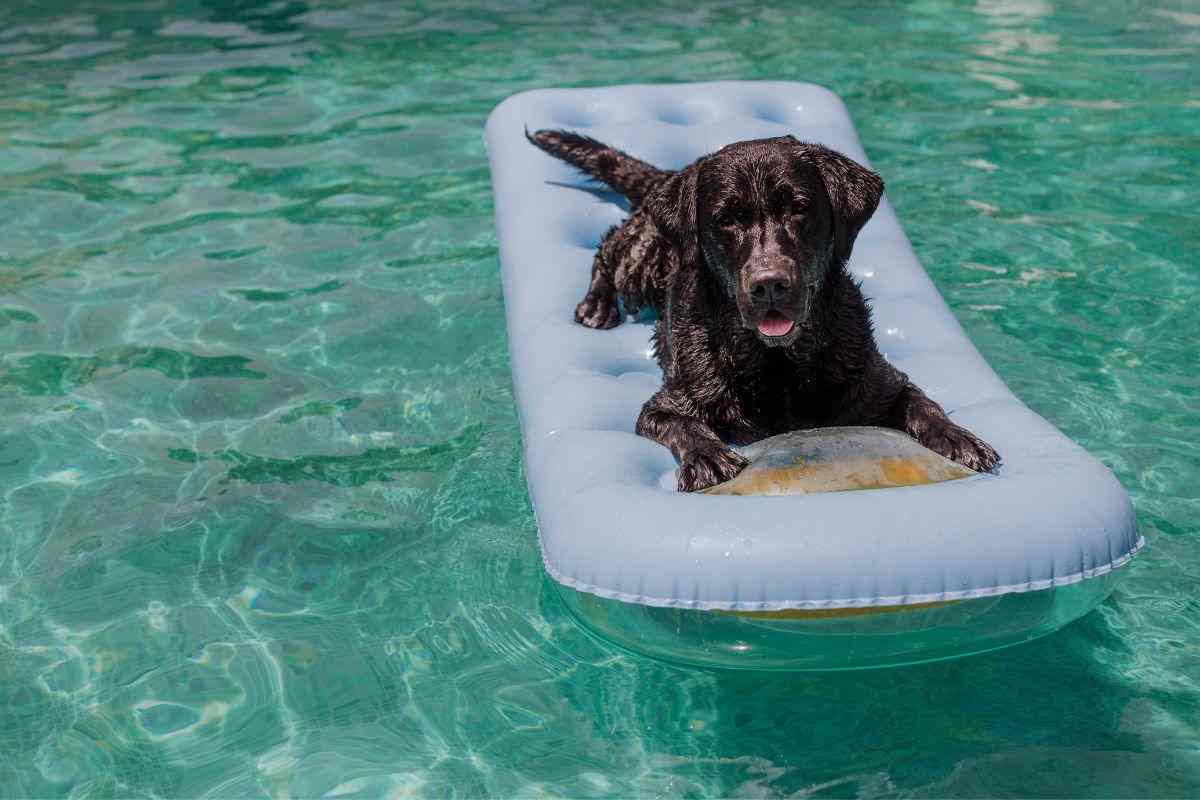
x=761, y=328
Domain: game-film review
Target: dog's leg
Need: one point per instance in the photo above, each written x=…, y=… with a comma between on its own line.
x=923, y=419
x=599, y=308
x=704, y=460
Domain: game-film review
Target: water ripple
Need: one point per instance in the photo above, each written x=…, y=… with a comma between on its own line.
x=263, y=522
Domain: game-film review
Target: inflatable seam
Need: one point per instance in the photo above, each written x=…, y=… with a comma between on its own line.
x=854, y=602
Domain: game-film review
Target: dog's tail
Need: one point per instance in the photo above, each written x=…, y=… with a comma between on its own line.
x=628, y=175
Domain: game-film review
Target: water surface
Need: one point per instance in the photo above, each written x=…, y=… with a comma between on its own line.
x=263, y=525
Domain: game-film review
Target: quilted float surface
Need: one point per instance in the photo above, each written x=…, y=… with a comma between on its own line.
x=609, y=519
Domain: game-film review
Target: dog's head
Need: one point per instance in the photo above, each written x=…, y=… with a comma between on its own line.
x=770, y=219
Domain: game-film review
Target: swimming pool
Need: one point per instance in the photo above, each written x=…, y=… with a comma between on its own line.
x=263, y=529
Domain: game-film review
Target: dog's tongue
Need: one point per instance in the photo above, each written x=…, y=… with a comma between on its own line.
x=775, y=324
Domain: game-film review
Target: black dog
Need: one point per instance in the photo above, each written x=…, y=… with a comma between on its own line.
x=762, y=329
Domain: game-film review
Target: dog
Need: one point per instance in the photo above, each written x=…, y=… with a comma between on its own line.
x=761, y=327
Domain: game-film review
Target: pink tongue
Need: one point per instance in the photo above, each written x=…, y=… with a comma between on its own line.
x=775, y=325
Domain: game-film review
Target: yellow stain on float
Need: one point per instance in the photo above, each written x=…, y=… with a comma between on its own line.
x=844, y=476
x=836, y=613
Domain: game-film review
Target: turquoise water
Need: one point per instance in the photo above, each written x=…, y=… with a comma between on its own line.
x=263, y=526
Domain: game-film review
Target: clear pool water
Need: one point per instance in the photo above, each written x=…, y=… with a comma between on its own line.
x=263, y=527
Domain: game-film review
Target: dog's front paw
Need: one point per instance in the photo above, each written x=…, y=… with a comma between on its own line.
x=704, y=468
x=598, y=310
x=959, y=444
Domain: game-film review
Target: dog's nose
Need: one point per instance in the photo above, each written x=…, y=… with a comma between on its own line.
x=770, y=285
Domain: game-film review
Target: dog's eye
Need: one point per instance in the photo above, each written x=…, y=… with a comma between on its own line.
x=732, y=216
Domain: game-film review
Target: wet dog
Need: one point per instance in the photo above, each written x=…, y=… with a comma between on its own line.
x=761, y=328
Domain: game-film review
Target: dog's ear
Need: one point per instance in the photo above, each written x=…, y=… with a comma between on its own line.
x=854, y=192
x=672, y=206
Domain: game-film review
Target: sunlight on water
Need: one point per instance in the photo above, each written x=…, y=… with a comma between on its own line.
x=263, y=524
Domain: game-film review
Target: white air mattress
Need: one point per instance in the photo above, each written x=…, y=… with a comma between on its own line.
x=609, y=519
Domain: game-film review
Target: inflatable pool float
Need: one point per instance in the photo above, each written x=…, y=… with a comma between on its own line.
x=826, y=580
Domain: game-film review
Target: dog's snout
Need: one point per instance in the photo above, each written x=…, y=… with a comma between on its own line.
x=770, y=285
